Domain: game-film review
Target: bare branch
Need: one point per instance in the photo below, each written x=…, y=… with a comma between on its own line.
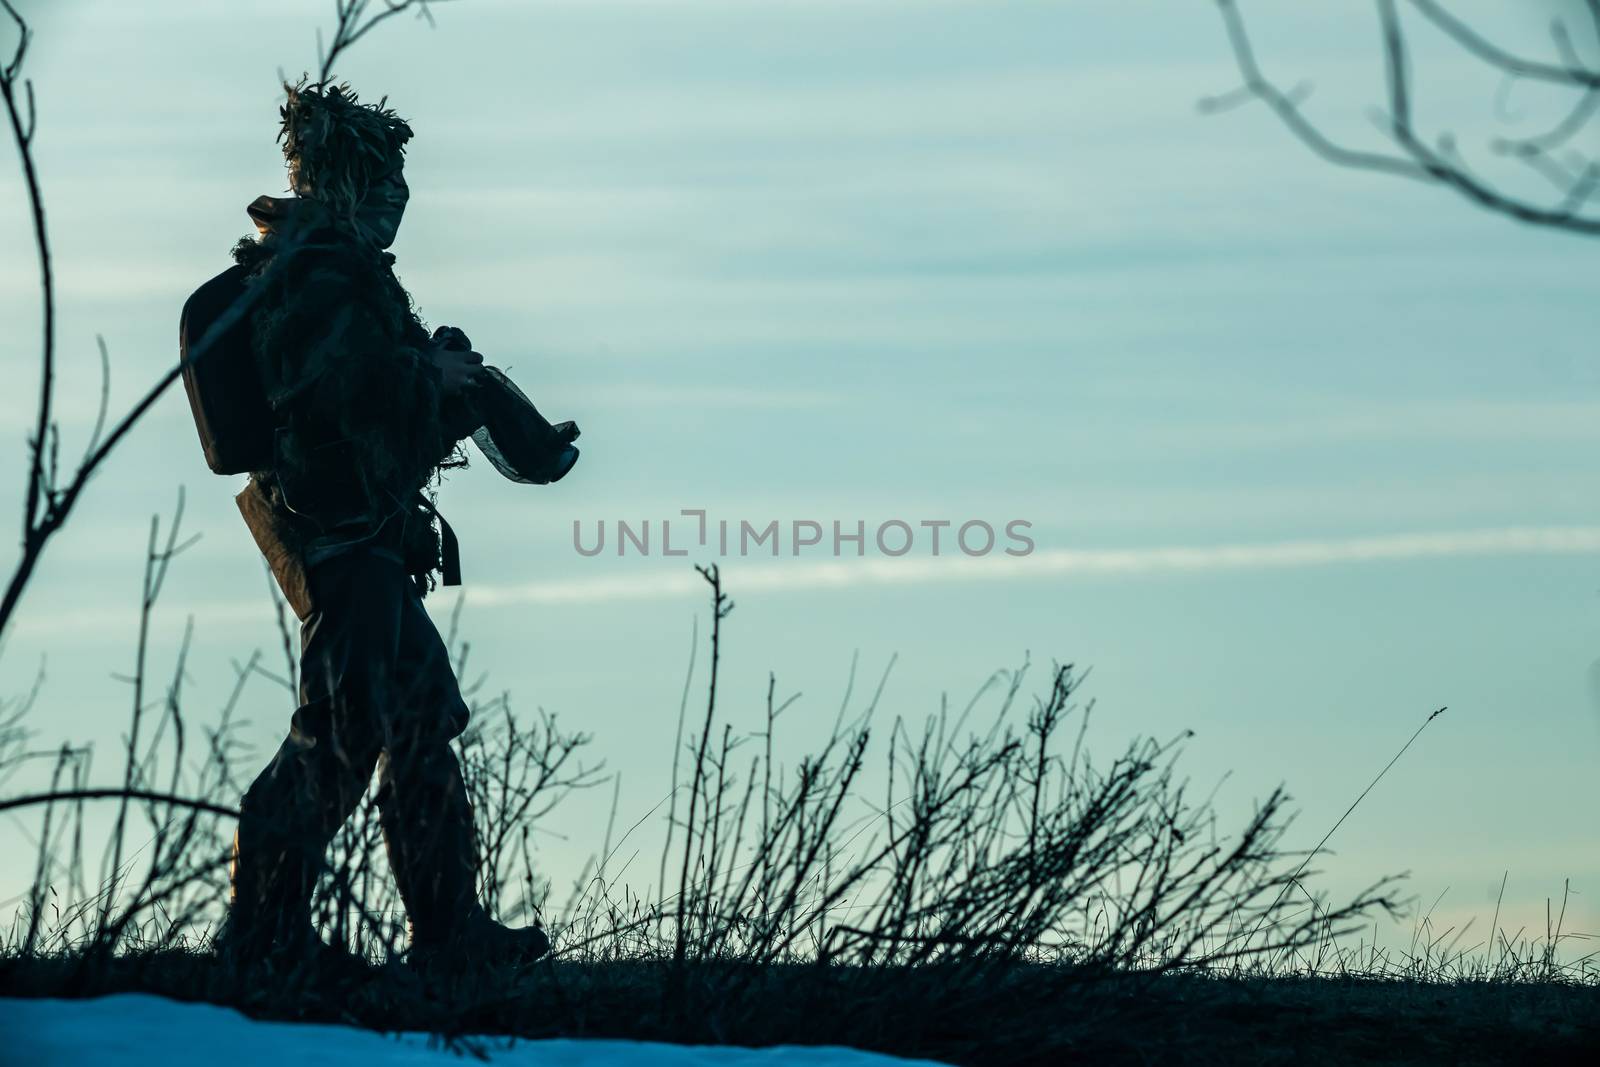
x=1442, y=165
x=350, y=28
x=1571, y=73
x=29, y=800
x=22, y=134
x=1286, y=106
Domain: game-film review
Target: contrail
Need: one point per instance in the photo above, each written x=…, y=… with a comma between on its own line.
x=798, y=575
x=674, y=579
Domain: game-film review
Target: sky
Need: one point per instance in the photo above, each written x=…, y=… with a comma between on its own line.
x=1305, y=453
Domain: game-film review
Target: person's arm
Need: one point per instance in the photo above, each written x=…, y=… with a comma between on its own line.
x=461, y=373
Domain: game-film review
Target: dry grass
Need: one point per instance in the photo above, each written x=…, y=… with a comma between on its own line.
x=1010, y=898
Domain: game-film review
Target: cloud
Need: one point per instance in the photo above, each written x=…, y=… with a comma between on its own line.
x=701, y=396
x=819, y=576
x=1059, y=563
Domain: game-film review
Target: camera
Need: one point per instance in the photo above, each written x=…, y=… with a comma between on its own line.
x=521, y=443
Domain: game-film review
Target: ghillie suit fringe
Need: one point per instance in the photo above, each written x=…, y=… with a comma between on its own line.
x=336, y=146
x=340, y=352
x=364, y=428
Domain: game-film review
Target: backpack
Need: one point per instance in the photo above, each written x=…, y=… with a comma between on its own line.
x=227, y=398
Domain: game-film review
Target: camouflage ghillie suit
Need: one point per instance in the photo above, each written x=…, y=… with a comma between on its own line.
x=363, y=425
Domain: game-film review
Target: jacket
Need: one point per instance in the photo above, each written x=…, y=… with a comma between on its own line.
x=362, y=427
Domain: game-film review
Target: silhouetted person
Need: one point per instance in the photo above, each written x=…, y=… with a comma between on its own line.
x=357, y=410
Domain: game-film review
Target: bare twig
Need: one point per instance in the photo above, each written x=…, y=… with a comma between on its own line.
x=1440, y=165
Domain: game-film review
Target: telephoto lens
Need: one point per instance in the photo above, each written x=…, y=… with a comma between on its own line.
x=520, y=442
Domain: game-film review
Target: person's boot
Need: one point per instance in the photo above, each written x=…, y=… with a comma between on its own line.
x=477, y=941
x=427, y=828
x=269, y=915
x=269, y=898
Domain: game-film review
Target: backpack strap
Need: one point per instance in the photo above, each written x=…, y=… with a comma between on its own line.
x=449, y=546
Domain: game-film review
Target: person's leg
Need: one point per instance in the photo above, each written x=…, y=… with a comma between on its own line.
x=426, y=814
x=427, y=827
x=422, y=801
x=295, y=806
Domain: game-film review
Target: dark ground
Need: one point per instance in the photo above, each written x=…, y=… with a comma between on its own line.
x=1025, y=1015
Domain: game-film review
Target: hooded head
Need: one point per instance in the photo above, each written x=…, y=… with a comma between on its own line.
x=347, y=156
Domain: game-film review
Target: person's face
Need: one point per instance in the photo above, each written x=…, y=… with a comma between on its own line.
x=380, y=211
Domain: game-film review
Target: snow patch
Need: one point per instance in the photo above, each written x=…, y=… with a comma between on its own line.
x=138, y=1030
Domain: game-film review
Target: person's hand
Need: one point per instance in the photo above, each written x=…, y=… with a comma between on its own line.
x=460, y=370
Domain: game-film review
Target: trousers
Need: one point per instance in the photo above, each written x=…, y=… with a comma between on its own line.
x=377, y=692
